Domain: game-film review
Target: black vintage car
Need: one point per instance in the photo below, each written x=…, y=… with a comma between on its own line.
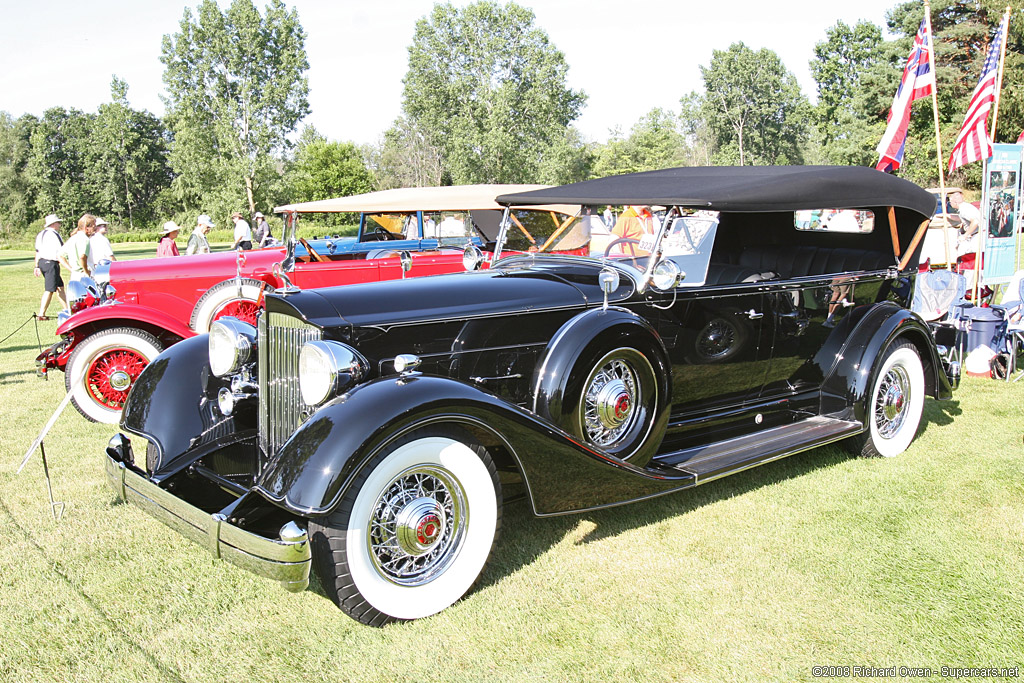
x=370, y=431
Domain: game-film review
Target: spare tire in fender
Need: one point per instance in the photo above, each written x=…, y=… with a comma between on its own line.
x=606, y=380
x=223, y=299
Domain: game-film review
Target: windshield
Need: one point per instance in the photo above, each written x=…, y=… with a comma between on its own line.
x=627, y=237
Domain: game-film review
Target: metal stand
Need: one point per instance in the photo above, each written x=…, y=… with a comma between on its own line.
x=46, y=470
x=54, y=505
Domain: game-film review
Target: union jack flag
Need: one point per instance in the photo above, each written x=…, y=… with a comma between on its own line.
x=918, y=81
x=973, y=142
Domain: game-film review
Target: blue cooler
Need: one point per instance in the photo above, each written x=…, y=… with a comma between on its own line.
x=983, y=326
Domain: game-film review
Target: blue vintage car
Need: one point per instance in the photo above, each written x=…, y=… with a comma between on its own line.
x=371, y=432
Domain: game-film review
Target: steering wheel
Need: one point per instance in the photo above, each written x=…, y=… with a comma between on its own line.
x=314, y=255
x=384, y=234
x=621, y=240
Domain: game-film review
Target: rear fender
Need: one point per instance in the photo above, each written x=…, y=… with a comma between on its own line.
x=316, y=466
x=855, y=367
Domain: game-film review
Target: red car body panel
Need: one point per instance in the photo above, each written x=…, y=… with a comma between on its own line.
x=159, y=294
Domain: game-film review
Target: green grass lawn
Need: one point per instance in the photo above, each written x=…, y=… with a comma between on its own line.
x=815, y=560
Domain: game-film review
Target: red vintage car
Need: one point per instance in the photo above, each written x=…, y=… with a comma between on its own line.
x=116, y=328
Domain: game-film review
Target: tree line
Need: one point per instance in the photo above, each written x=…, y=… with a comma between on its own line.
x=485, y=99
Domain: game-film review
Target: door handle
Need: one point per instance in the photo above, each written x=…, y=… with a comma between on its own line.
x=754, y=315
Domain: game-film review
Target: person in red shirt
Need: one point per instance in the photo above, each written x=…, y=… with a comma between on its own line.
x=166, y=246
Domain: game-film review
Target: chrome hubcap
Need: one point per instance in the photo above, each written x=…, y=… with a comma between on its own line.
x=610, y=402
x=892, y=402
x=417, y=526
x=120, y=380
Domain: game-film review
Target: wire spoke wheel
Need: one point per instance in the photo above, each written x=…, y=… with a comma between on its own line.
x=893, y=401
x=104, y=366
x=112, y=374
x=609, y=402
x=413, y=531
x=418, y=525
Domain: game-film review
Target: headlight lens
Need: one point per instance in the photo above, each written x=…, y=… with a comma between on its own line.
x=231, y=345
x=327, y=368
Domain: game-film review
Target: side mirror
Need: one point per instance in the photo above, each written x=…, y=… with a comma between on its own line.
x=406, y=259
x=608, y=279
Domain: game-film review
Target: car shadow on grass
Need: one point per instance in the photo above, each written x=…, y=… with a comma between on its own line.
x=526, y=537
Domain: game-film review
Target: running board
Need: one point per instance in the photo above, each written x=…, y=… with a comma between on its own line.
x=716, y=460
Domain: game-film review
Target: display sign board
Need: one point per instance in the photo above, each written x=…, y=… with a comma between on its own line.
x=1000, y=209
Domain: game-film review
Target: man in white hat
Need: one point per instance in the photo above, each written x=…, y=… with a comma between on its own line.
x=167, y=246
x=263, y=236
x=99, y=246
x=197, y=242
x=243, y=233
x=48, y=247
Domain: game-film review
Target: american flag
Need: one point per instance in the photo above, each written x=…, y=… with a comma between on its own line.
x=973, y=143
x=918, y=81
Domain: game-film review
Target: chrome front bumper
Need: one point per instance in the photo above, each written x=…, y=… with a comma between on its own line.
x=286, y=560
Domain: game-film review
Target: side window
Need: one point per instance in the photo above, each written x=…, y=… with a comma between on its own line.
x=835, y=220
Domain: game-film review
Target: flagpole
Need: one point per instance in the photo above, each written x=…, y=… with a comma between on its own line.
x=979, y=252
x=938, y=135
x=999, y=81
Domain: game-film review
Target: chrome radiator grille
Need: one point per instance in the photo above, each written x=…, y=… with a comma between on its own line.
x=280, y=413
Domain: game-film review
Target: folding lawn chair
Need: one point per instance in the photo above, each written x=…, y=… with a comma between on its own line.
x=1013, y=313
x=939, y=298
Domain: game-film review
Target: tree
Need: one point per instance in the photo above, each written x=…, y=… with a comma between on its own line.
x=487, y=88
x=128, y=164
x=754, y=107
x=839, y=67
x=236, y=90
x=655, y=141
x=406, y=157
x=324, y=169
x=16, y=197
x=57, y=165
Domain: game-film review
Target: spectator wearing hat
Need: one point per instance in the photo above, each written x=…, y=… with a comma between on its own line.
x=197, y=242
x=263, y=236
x=243, y=233
x=48, y=248
x=75, y=254
x=971, y=217
x=166, y=245
x=99, y=246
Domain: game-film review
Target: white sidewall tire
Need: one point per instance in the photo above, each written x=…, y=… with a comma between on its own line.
x=92, y=348
x=414, y=602
x=906, y=356
x=217, y=297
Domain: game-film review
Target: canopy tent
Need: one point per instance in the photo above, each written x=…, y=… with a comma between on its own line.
x=741, y=189
x=410, y=199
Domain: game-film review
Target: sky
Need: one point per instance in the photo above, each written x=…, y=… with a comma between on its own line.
x=628, y=56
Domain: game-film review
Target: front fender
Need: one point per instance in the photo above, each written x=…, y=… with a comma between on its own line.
x=126, y=314
x=173, y=405
x=316, y=466
x=855, y=365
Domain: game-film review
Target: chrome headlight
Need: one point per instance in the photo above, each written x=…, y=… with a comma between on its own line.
x=327, y=368
x=472, y=257
x=232, y=344
x=101, y=273
x=666, y=275
x=82, y=293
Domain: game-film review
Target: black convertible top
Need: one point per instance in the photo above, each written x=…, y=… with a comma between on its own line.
x=742, y=189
